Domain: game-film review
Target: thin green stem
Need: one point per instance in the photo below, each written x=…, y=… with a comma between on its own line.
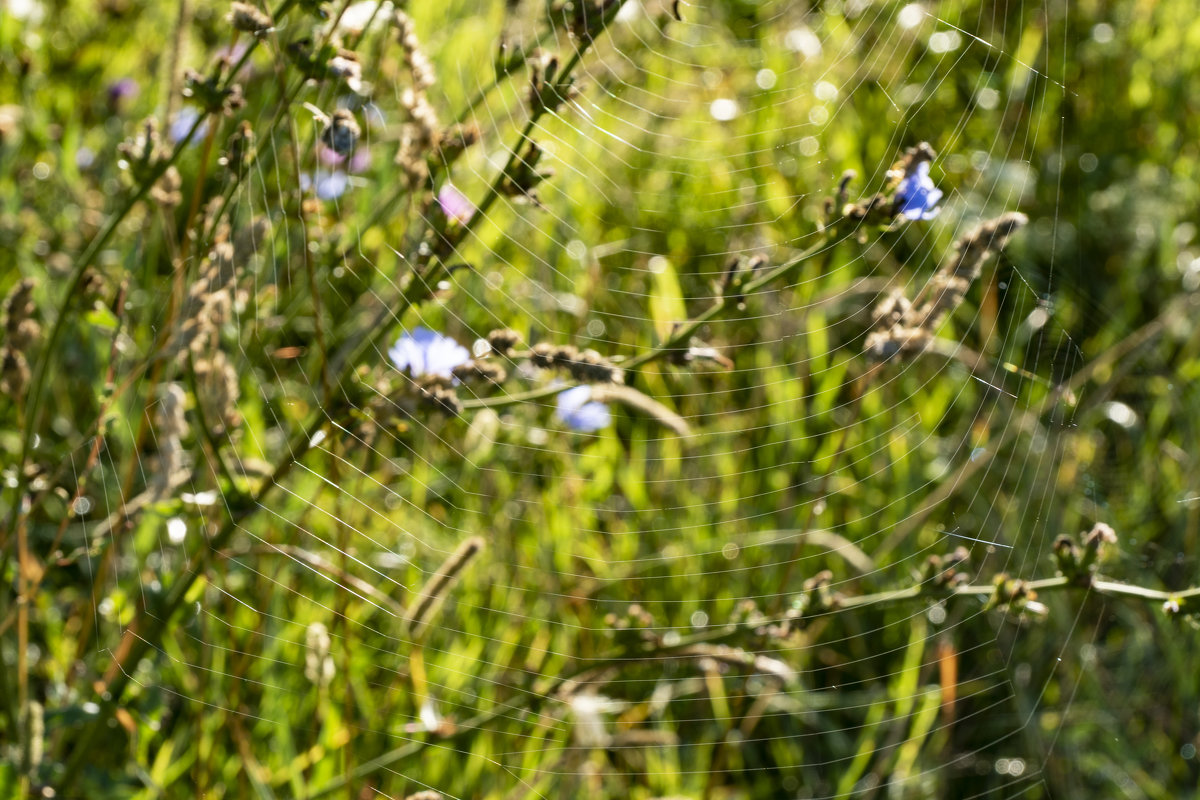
x=151, y=623
x=85, y=260
x=682, y=334
x=664, y=648
x=206, y=430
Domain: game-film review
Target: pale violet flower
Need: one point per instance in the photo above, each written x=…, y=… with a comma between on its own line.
x=329, y=157
x=121, y=91
x=579, y=412
x=454, y=204
x=333, y=159
x=916, y=196
x=426, y=352
x=327, y=185
x=332, y=185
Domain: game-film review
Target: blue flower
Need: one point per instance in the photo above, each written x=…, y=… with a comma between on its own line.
x=327, y=185
x=577, y=409
x=426, y=352
x=183, y=122
x=916, y=196
x=331, y=185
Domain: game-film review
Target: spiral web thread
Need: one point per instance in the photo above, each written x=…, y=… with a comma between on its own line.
x=307, y=605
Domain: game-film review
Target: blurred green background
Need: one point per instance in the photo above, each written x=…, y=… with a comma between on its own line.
x=690, y=143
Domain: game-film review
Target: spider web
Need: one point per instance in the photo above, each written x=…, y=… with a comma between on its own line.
x=557, y=665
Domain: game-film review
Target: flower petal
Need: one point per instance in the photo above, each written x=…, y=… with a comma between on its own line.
x=916, y=196
x=454, y=204
x=426, y=352
x=579, y=412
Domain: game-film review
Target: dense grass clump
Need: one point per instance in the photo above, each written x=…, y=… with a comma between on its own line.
x=599, y=398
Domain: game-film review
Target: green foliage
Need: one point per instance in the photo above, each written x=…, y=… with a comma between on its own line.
x=217, y=512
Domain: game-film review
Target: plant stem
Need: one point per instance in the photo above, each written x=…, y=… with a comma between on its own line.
x=659, y=649
x=682, y=333
x=150, y=624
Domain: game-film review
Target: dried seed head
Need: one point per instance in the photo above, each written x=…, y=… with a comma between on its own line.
x=542, y=354
x=428, y=601
x=410, y=157
x=442, y=398
x=172, y=422
x=503, y=340
x=141, y=153
x=318, y=662
x=170, y=428
x=249, y=19
x=423, y=76
x=167, y=190
x=20, y=327
x=564, y=355
x=481, y=370
x=209, y=300
x=14, y=372
x=240, y=149
x=913, y=157
x=1101, y=534
x=973, y=249
x=455, y=140
x=423, y=118
x=591, y=367
x=217, y=391
x=901, y=326
x=891, y=310
x=345, y=67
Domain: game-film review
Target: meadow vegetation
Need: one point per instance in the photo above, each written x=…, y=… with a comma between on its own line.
x=599, y=399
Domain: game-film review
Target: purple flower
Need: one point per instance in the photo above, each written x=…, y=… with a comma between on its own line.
x=120, y=91
x=360, y=160
x=426, y=352
x=233, y=55
x=454, y=204
x=328, y=156
x=183, y=122
x=579, y=412
x=331, y=158
x=916, y=196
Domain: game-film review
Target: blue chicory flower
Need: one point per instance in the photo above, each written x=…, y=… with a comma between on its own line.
x=331, y=185
x=327, y=185
x=579, y=412
x=426, y=352
x=916, y=196
x=183, y=122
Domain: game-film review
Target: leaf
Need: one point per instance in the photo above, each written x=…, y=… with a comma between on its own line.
x=667, y=308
